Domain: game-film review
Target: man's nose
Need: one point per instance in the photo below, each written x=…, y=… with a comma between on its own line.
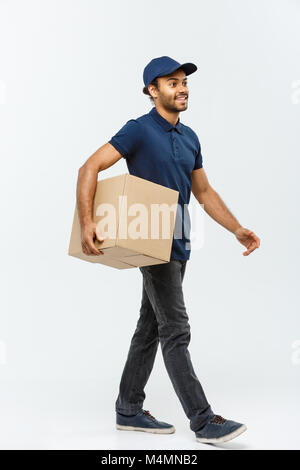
x=183, y=89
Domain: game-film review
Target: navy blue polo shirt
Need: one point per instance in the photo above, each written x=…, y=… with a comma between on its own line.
x=157, y=151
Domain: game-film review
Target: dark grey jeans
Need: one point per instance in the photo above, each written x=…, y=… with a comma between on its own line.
x=163, y=319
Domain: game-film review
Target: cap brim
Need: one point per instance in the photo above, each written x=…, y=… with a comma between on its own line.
x=188, y=67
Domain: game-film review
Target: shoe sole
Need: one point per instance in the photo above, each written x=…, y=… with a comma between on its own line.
x=153, y=430
x=225, y=438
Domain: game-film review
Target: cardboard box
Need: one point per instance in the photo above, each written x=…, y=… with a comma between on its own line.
x=136, y=218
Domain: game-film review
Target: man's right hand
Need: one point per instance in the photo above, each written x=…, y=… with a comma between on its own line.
x=88, y=234
x=102, y=159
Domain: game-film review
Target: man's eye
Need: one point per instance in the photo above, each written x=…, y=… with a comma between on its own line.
x=174, y=83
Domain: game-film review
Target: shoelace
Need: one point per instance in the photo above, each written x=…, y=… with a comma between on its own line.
x=218, y=419
x=146, y=412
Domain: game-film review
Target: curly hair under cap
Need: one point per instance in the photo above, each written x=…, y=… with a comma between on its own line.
x=146, y=91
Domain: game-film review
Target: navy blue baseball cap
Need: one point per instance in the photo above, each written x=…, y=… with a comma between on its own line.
x=164, y=66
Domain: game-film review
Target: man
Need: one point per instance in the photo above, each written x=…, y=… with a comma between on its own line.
x=159, y=148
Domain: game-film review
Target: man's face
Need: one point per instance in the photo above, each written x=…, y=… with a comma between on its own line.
x=172, y=94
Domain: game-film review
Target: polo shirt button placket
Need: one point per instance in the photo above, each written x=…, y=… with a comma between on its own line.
x=175, y=148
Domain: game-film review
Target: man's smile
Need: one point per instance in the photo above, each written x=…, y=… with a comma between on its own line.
x=181, y=98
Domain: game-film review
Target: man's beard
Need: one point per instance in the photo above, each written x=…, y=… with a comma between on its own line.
x=172, y=106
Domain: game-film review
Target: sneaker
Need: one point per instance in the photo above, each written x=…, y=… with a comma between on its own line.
x=143, y=421
x=219, y=429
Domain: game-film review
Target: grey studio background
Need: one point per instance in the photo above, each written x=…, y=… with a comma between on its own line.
x=71, y=76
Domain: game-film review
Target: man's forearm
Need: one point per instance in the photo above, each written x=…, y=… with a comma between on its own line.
x=216, y=208
x=85, y=192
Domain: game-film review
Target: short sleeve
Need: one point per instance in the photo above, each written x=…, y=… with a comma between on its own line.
x=127, y=139
x=198, y=160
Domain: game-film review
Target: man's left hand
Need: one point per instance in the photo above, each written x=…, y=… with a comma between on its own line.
x=248, y=239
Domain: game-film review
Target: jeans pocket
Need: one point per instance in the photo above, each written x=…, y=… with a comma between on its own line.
x=177, y=261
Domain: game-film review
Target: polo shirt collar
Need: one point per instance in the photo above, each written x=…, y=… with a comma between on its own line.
x=166, y=125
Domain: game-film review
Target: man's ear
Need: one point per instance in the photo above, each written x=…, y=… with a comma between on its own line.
x=152, y=89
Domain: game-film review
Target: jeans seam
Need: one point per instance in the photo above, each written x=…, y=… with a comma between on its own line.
x=157, y=300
